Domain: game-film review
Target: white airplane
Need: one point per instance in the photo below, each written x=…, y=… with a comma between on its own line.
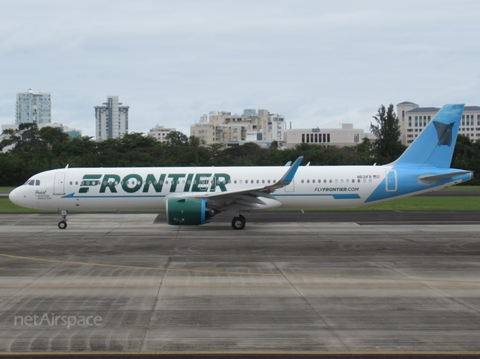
x=194, y=195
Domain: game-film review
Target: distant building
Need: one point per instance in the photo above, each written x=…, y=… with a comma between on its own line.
x=345, y=136
x=160, y=132
x=226, y=128
x=111, y=119
x=33, y=107
x=413, y=119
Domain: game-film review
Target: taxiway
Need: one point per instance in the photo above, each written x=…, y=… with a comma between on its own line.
x=284, y=286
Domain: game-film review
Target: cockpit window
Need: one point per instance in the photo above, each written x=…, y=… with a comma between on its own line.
x=31, y=182
x=37, y=182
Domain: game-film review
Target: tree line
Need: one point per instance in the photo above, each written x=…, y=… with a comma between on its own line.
x=36, y=150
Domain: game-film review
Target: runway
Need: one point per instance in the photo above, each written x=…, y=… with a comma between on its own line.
x=287, y=287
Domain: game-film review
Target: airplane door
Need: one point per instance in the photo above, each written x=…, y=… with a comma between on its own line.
x=391, y=181
x=59, y=184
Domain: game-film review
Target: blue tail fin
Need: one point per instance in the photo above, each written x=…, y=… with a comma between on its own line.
x=435, y=144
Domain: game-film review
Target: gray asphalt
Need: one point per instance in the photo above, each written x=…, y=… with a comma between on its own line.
x=281, y=287
x=360, y=217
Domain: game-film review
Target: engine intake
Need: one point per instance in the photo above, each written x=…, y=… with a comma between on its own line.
x=188, y=211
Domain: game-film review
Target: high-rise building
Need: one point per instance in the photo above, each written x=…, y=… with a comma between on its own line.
x=111, y=119
x=33, y=107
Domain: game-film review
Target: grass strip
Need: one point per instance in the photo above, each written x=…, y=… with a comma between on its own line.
x=6, y=189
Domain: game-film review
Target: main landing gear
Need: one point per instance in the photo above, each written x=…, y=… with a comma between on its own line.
x=238, y=222
x=63, y=223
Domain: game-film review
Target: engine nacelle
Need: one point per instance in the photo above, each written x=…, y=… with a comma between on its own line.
x=188, y=211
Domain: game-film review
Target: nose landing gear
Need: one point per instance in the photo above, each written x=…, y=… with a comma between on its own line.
x=63, y=223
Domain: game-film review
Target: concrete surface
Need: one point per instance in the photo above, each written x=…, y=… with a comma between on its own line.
x=276, y=287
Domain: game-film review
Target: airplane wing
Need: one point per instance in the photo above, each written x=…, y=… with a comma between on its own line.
x=250, y=197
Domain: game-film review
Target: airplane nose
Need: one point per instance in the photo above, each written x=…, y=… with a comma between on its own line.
x=15, y=196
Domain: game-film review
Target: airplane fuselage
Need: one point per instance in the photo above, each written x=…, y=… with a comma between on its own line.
x=147, y=188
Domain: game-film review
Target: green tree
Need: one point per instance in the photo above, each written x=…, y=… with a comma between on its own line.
x=176, y=138
x=387, y=146
x=465, y=156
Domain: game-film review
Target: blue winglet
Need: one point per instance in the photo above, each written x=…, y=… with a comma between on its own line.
x=288, y=176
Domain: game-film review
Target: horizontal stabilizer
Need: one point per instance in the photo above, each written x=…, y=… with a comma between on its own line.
x=431, y=179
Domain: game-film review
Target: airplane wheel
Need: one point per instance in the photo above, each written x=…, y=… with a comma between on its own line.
x=238, y=222
x=243, y=218
x=62, y=224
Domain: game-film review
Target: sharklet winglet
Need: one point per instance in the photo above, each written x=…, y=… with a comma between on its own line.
x=288, y=176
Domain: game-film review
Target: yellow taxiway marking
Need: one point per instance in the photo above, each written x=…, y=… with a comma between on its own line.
x=261, y=274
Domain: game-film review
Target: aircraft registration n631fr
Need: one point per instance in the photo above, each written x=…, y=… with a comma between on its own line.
x=194, y=195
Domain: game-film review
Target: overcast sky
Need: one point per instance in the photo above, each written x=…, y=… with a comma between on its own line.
x=319, y=63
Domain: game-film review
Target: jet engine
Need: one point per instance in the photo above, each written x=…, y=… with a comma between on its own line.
x=188, y=211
